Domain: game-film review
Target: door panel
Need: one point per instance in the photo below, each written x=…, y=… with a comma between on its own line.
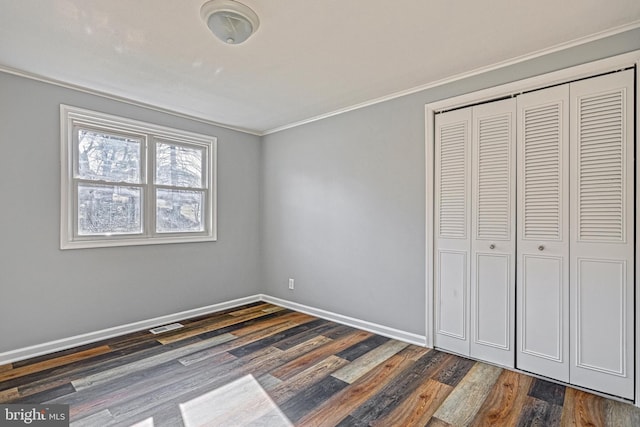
x=452, y=230
x=452, y=301
x=543, y=286
x=493, y=232
x=543, y=234
x=492, y=301
x=597, y=343
x=602, y=234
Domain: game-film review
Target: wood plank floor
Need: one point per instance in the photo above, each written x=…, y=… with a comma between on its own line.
x=262, y=365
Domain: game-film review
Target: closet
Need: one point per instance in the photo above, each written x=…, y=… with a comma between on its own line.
x=534, y=232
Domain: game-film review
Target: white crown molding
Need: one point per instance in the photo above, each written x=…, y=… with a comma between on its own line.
x=513, y=61
x=123, y=99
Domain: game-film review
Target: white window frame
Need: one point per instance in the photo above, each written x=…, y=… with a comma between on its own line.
x=71, y=118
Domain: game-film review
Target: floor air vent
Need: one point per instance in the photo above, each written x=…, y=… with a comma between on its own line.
x=166, y=328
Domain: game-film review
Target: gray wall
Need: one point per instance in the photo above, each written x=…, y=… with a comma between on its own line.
x=48, y=294
x=343, y=199
x=337, y=204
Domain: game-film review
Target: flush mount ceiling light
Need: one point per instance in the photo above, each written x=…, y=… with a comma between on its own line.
x=230, y=21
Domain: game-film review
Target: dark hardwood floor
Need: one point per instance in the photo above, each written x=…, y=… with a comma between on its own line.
x=262, y=365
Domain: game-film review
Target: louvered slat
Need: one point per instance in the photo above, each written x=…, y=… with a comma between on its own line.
x=601, y=167
x=541, y=163
x=493, y=178
x=452, y=194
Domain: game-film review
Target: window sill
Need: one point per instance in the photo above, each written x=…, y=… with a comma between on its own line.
x=108, y=243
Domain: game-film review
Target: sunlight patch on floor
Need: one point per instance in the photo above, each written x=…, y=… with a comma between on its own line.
x=242, y=402
x=144, y=423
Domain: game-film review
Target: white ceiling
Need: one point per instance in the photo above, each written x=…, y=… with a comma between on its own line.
x=308, y=58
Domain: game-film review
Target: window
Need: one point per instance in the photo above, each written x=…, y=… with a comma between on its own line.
x=126, y=182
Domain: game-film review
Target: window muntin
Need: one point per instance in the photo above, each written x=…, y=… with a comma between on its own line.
x=130, y=183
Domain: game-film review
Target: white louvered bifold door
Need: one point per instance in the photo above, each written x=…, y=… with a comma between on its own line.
x=452, y=229
x=493, y=232
x=602, y=234
x=543, y=233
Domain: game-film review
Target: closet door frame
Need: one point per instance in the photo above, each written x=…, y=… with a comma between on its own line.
x=637, y=242
x=510, y=89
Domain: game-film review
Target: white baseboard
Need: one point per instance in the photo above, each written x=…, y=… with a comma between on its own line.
x=78, y=340
x=386, y=331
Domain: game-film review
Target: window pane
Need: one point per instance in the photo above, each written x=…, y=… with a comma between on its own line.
x=179, y=211
x=108, y=157
x=105, y=210
x=178, y=166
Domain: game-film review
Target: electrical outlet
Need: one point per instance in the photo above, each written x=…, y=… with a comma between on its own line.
x=291, y=286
